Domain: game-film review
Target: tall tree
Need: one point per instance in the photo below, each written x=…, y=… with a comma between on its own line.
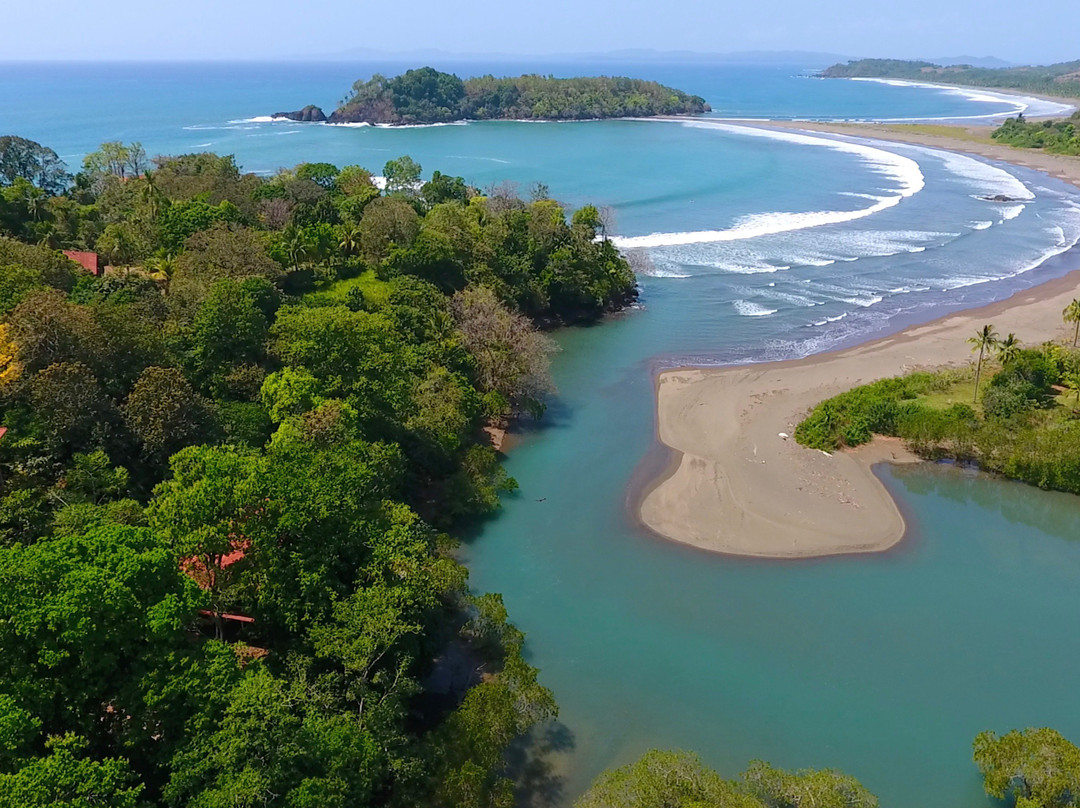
x=402, y=176
x=1037, y=767
x=1008, y=349
x=24, y=159
x=1071, y=314
x=984, y=341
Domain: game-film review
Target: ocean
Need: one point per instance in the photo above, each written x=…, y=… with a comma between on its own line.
x=757, y=245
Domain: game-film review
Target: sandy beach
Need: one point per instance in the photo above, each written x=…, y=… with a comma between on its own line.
x=736, y=485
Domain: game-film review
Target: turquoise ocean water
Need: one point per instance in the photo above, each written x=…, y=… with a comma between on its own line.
x=759, y=245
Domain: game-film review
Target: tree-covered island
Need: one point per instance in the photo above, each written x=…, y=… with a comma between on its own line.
x=426, y=96
x=1061, y=79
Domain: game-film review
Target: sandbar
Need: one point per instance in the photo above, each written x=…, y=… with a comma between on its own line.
x=736, y=485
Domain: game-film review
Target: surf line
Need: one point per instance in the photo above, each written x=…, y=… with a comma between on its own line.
x=902, y=170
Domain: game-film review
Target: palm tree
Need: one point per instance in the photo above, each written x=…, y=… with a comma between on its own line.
x=1071, y=314
x=150, y=195
x=350, y=240
x=297, y=247
x=1008, y=349
x=984, y=340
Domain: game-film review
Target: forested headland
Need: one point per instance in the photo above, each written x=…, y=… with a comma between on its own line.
x=232, y=464
x=1061, y=79
x=426, y=96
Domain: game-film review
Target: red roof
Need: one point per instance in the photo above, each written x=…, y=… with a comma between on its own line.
x=194, y=567
x=87, y=260
x=239, y=618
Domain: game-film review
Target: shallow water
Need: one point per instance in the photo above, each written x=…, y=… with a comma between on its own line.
x=884, y=666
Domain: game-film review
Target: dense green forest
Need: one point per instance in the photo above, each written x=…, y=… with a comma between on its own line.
x=1022, y=420
x=229, y=465
x=1062, y=79
x=427, y=95
x=1055, y=137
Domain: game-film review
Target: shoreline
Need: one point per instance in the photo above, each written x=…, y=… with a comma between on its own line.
x=723, y=478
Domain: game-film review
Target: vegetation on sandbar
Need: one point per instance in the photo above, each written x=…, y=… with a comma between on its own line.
x=1052, y=136
x=1024, y=422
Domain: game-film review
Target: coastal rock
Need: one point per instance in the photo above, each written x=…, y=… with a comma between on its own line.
x=309, y=114
x=1000, y=198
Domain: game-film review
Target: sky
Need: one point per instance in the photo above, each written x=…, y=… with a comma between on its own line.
x=1023, y=32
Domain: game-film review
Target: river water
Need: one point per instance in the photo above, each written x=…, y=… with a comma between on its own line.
x=760, y=245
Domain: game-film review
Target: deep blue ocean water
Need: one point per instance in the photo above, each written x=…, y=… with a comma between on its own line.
x=758, y=245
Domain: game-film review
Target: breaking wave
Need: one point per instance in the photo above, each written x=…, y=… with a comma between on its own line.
x=903, y=171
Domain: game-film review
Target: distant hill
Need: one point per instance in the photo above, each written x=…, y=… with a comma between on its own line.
x=1062, y=79
x=812, y=59
x=972, y=61
x=802, y=58
x=427, y=96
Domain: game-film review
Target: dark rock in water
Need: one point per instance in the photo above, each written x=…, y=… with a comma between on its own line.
x=309, y=114
x=1000, y=198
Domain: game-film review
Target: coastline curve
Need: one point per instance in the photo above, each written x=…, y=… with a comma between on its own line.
x=736, y=482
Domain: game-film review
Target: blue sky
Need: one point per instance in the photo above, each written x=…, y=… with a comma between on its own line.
x=247, y=29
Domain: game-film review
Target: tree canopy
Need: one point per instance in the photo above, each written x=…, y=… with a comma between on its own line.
x=229, y=469
x=426, y=95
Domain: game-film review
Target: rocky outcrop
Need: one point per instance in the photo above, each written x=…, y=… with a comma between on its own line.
x=309, y=114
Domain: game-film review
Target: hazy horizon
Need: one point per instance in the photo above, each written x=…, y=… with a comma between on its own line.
x=244, y=30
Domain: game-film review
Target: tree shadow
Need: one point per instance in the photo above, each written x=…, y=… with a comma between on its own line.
x=536, y=764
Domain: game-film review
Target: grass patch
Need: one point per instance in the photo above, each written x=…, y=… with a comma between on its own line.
x=954, y=387
x=376, y=292
x=1026, y=424
x=941, y=130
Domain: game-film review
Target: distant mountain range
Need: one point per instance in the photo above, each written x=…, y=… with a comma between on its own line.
x=646, y=55
x=803, y=58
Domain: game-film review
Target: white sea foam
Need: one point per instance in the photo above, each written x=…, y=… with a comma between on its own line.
x=416, y=125
x=744, y=269
x=980, y=225
x=864, y=302
x=987, y=179
x=828, y=320
x=1011, y=212
x=1029, y=105
x=903, y=171
x=748, y=309
x=960, y=281
x=477, y=157
x=263, y=119
x=796, y=300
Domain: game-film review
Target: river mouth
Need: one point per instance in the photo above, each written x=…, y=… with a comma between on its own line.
x=856, y=662
x=884, y=666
